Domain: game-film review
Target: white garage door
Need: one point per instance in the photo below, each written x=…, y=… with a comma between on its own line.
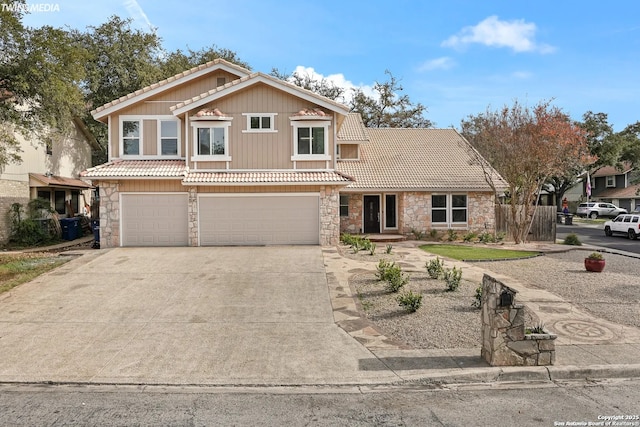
x=154, y=219
x=272, y=219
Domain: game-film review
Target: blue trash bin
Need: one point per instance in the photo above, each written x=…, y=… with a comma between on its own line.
x=95, y=226
x=70, y=228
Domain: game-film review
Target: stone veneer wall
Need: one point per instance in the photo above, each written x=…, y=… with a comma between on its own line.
x=192, y=212
x=482, y=212
x=504, y=341
x=10, y=192
x=329, y=216
x=109, y=214
x=352, y=223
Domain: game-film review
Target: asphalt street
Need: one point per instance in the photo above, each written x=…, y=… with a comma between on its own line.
x=593, y=234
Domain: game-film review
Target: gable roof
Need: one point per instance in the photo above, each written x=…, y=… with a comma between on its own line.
x=612, y=170
x=253, y=79
x=57, y=181
x=415, y=159
x=166, y=84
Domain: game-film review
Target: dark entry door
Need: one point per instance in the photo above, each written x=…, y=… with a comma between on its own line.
x=371, y=214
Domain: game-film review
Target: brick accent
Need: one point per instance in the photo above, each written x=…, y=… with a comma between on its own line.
x=10, y=192
x=352, y=223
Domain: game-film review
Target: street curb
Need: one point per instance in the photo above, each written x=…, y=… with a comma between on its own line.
x=594, y=372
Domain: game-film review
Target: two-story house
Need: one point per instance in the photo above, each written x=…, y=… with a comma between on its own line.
x=218, y=155
x=609, y=184
x=49, y=171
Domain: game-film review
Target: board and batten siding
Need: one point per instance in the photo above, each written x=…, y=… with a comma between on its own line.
x=151, y=186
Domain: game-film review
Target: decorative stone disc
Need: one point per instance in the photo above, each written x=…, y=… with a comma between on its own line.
x=583, y=330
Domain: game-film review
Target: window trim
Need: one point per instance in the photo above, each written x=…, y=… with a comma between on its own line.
x=613, y=181
x=272, y=119
x=296, y=125
x=395, y=195
x=159, y=133
x=449, y=208
x=209, y=124
x=341, y=205
x=138, y=119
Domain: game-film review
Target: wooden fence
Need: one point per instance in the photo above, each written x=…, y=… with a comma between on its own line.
x=543, y=228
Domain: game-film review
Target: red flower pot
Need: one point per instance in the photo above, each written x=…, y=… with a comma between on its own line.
x=596, y=265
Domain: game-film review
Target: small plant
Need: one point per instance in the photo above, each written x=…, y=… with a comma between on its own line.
x=469, y=237
x=572, y=239
x=538, y=329
x=366, y=305
x=435, y=268
x=346, y=238
x=477, y=303
x=383, y=268
x=417, y=234
x=433, y=233
x=501, y=236
x=452, y=235
x=452, y=277
x=396, y=279
x=372, y=249
x=389, y=249
x=595, y=255
x=409, y=301
x=487, y=238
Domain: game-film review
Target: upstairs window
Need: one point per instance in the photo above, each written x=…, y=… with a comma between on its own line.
x=168, y=138
x=260, y=122
x=211, y=140
x=131, y=135
x=611, y=181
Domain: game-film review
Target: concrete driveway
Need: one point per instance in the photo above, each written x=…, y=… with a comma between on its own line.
x=236, y=315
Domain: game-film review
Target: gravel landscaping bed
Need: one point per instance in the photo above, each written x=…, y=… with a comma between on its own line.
x=613, y=295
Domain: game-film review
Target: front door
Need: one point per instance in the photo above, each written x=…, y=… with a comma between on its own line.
x=371, y=214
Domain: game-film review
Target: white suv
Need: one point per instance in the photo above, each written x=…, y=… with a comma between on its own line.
x=595, y=209
x=626, y=224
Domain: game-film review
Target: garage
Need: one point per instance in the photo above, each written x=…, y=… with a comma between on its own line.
x=158, y=219
x=259, y=219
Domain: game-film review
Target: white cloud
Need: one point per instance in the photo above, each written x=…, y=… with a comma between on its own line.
x=523, y=75
x=337, y=79
x=138, y=15
x=517, y=35
x=443, y=63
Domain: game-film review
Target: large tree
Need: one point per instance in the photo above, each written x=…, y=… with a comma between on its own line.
x=526, y=146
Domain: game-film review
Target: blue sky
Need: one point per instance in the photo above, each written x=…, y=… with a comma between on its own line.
x=455, y=57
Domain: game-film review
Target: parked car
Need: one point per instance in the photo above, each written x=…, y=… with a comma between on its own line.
x=628, y=224
x=595, y=209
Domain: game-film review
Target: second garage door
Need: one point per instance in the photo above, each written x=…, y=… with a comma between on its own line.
x=259, y=219
x=158, y=219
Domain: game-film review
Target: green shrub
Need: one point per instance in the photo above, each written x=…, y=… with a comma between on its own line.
x=469, y=237
x=25, y=231
x=372, y=249
x=383, y=268
x=452, y=235
x=433, y=233
x=452, y=277
x=396, y=279
x=409, y=301
x=572, y=239
x=487, y=238
x=417, y=234
x=435, y=268
x=389, y=249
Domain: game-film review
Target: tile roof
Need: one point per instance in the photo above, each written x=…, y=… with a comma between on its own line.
x=353, y=129
x=420, y=159
x=59, y=181
x=210, y=64
x=272, y=177
x=138, y=169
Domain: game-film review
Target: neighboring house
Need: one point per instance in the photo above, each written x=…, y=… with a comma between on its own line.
x=48, y=171
x=218, y=155
x=609, y=184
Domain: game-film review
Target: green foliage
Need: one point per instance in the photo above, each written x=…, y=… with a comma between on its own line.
x=389, y=249
x=469, y=237
x=452, y=235
x=382, y=269
x=25, y=230
x=417, y=234
x=537, y=329
x=409, y=301
x=477, y=303
x=372, y=249
x=358, y=243
x=433, y=233
x=595, y=255
x=487, y=238
x=396, y=279
x=572, y=239
x=435, y=268
x=452, y=277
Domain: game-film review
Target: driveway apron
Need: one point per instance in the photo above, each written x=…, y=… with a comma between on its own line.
x=223, y=315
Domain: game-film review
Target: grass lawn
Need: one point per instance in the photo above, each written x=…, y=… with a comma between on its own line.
x=476, y=253
x=16, y=269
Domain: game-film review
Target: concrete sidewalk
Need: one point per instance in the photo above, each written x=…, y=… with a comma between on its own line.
x=586, y=347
